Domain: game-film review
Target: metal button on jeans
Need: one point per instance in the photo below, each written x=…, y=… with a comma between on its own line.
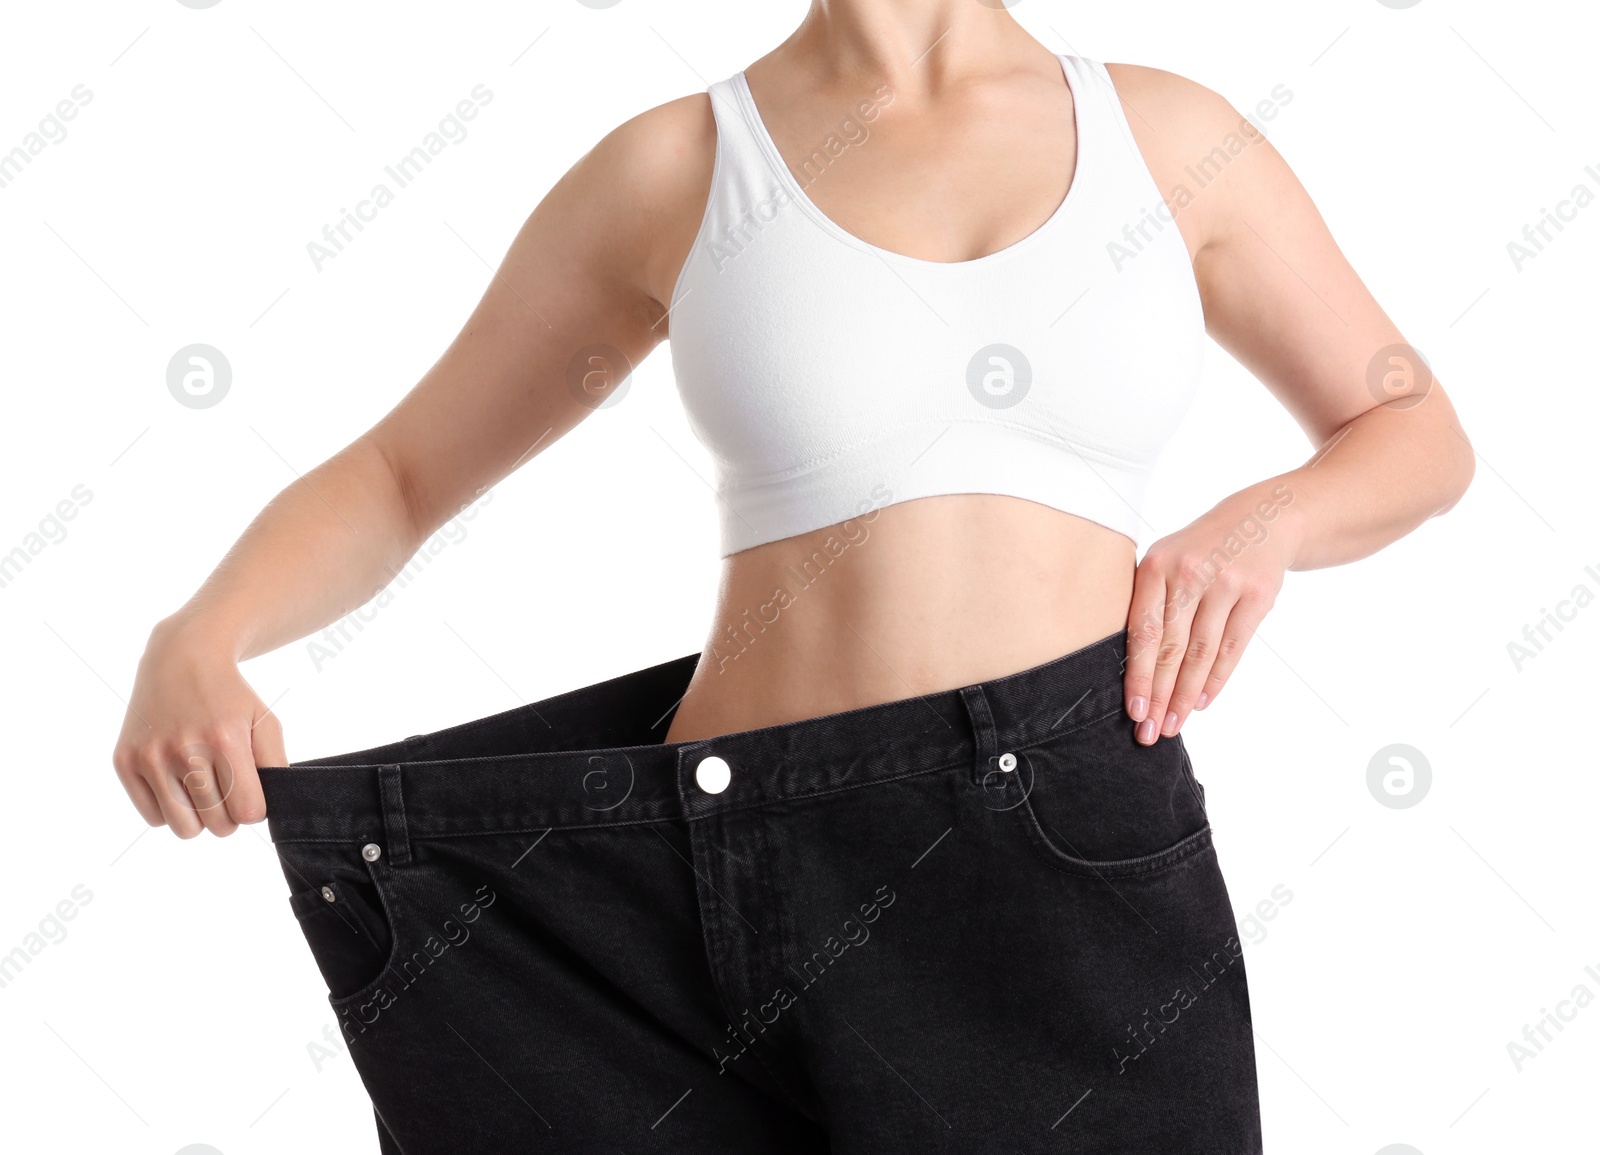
x=1008, y=762
x=713, y=774
x=371, y=852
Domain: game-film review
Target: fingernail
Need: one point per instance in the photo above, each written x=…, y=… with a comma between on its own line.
x=1146, y=731
x=1171, y=724
x=1136, y=708
x=1200, y=702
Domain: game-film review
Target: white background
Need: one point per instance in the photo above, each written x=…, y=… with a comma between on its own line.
x=180, y=1005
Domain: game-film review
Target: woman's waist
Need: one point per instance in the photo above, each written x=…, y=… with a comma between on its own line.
x=802, y=631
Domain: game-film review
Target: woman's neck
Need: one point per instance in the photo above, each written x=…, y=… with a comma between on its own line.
x=910, y=44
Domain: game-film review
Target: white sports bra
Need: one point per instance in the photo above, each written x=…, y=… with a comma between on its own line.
x=829, y=377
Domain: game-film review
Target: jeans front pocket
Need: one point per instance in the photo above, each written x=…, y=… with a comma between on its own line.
x=337, y=897
x=1095, y=803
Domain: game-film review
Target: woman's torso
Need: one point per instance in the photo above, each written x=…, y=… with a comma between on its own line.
x=909, y=594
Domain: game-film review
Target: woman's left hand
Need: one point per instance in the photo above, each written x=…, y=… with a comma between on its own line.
x=1198, y=596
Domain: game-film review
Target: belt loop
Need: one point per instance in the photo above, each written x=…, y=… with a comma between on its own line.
x=394, y=816
x=982, y=731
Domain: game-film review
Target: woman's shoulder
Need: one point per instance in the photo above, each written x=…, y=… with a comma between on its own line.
x=662, y=147
x=1170, y=103
x=1210, y=160
x=638, y=192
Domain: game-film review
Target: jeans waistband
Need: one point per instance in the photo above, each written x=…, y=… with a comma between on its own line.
x=594, y=756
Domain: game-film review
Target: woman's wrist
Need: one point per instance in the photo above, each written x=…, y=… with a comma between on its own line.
x=1291, y=524
x=1271, y=513
x=198, y=634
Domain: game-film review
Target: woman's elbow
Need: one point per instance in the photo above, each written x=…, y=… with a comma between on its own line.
x=1459, y=468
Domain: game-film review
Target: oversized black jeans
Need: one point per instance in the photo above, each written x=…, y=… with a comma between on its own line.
x=982, y=920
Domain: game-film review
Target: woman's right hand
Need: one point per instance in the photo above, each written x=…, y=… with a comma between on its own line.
x=193, y=736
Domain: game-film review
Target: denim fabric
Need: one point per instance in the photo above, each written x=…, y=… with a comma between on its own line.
x=980, y=920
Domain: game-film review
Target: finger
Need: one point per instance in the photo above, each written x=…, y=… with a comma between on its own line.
x=202, y=778
x=138, y=790
x=1144, y=638
x=1205, y=636
x=1242, y=622
x=241, y=786
x=173, y=799
x=266, y=749
x=1169, y=659
x=266, y=740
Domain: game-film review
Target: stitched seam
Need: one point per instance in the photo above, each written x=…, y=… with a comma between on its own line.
x=727, y=810
x=785, y=176
x=651, y=821
x=717, y=161
x=1194, y=783
x=1110, y=711
x=1144, y=173
x=1103, y=454
x=1107, y=869
x=389, y=964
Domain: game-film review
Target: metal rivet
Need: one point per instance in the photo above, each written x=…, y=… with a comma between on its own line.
x=327, y=893
x=1008, y=762
x=713, y=774
x=371, y=852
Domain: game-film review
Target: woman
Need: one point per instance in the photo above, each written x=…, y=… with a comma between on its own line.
x=911, y=857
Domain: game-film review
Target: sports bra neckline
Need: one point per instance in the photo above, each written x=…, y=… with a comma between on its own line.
x=797, y=193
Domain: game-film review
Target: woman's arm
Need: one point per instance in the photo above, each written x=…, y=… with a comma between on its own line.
x=521, y=373
x=1279, y=296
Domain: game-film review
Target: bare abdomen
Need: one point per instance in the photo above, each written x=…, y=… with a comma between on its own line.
x=931, y=594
